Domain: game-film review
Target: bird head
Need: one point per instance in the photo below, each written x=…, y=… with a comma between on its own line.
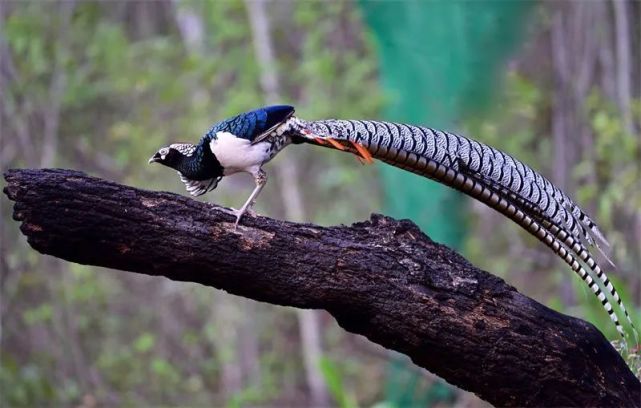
x=173, y=155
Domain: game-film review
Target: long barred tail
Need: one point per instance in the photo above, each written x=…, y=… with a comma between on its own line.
x=573, y=244
x=484, y=173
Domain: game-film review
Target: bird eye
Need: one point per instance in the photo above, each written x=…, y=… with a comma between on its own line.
x=163, y=152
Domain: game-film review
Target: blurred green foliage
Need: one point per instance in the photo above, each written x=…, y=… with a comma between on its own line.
x=334, y=381
x=132, y=85
x=608, y=180
x=116, y=80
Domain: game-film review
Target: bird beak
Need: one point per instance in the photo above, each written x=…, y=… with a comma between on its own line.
x=154, y=158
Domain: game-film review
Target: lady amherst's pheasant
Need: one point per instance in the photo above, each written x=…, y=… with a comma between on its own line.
x=247, y=141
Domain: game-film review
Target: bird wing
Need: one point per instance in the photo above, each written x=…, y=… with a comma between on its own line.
x=199, y=187
x=270, y=118
x=254, y=126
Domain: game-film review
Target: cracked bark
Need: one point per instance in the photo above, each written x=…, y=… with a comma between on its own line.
x=381, y=278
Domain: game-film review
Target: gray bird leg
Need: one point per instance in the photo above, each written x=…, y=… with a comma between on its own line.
x=260, y=177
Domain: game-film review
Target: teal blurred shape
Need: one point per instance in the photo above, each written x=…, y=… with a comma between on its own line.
x=439, y=61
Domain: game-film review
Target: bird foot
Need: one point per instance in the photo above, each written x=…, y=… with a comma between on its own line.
x=229, y=211
x=240, y=214
x=248, y=211
x=235, y=212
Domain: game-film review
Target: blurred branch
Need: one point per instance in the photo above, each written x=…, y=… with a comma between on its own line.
x=381, y=278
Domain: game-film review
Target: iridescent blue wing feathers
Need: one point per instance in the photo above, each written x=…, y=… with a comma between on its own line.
x=253, y=125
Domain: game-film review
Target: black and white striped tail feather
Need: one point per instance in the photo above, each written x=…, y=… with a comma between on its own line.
x=582, y=252
x=443, y=147
x=561, y=207
x=494, y=163
x=583, y=217
x=485, y=194
x=534, y=222
x=571, y=242
x=553, y=203
x=577, y=215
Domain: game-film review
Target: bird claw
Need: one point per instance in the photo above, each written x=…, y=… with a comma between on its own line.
x=240, y=215
x=233, y=211
x=230, y=211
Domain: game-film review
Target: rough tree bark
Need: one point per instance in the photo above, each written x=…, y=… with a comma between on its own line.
x=381, y=278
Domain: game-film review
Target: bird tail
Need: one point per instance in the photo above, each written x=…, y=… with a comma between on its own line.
x=484, y=173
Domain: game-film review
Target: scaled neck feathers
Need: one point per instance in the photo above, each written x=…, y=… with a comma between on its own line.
x=201, y=164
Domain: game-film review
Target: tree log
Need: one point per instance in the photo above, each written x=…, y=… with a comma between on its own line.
x=381, y=278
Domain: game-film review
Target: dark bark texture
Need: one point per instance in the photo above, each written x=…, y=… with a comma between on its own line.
x=381, y=278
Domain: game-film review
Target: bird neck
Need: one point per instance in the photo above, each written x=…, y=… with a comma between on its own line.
x=201, y=165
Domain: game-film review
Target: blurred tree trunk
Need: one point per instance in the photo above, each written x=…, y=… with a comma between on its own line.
x=7, y=153
x=226, y=315
x=624, y=66
x=238, y=344
x=563, y=120
x=191, y=26
x=287, y=169
x=37, y=127
x=590, y=43
x=627, y=25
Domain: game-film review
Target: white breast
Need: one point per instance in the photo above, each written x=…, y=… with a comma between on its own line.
x=236, y=154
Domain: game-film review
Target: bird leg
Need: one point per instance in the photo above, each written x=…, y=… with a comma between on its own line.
x=260, y=177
